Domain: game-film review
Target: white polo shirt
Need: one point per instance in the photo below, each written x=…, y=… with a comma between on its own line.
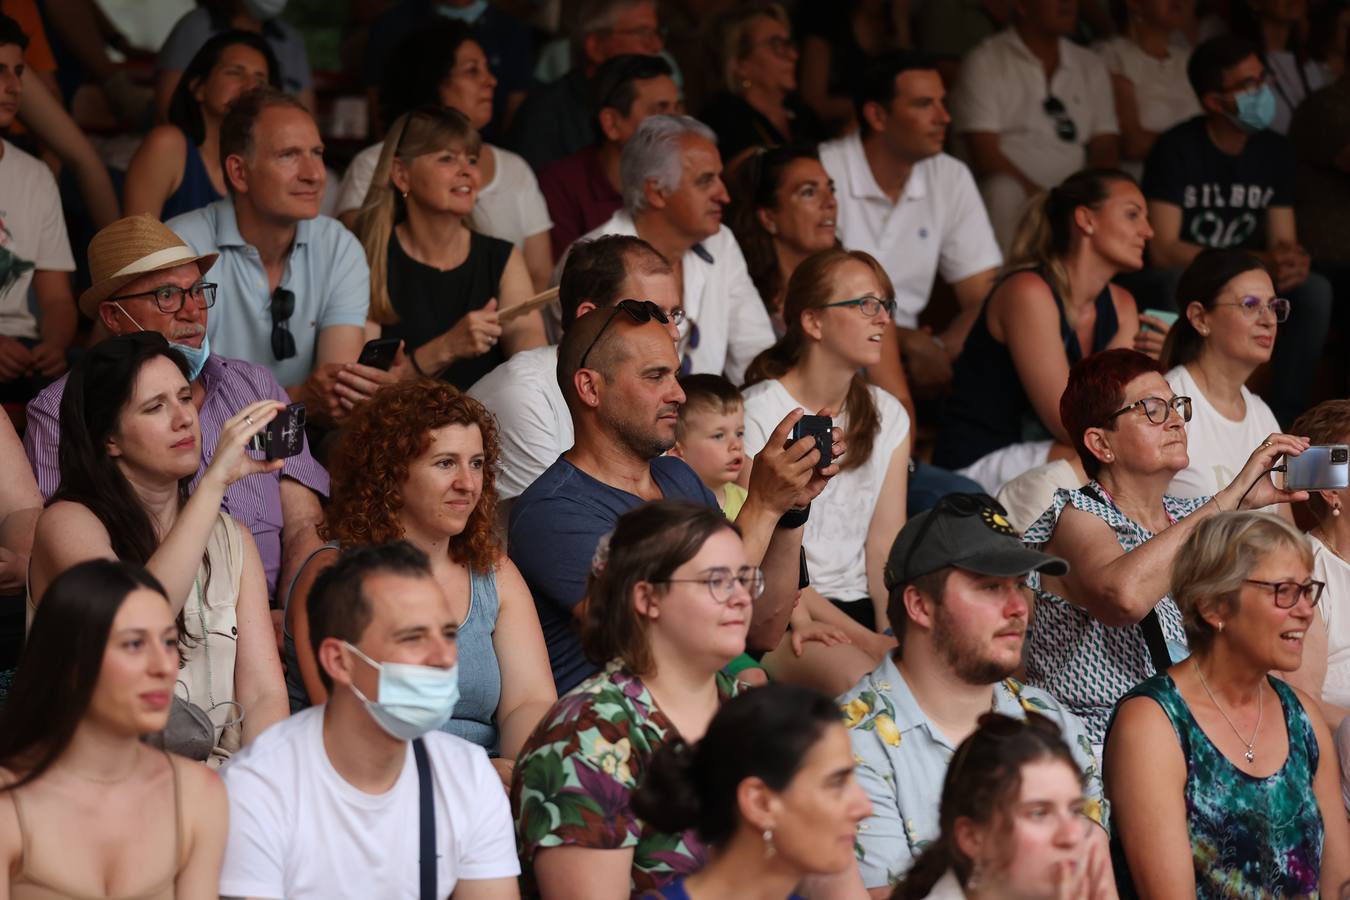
x=726, y=323
x=1002, y=89
x=939, y=223
x=534, y=426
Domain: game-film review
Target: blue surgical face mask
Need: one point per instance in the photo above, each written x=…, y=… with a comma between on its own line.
x=413, y=699
x=467, y=14
x=265, y=10
x=196, y=356
x=1255, y=109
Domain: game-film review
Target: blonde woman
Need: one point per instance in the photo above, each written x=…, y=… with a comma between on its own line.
x=435, y=283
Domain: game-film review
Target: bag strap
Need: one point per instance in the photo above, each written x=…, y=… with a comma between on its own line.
x=1150, y=626
x=426, y=862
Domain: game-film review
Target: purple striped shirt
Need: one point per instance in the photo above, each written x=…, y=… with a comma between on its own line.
x=230, y=384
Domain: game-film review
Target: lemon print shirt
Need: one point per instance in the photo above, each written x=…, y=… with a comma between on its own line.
x=902, y=759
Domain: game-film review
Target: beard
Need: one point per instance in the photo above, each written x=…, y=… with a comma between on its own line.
x=965, y=655
x=643, y=439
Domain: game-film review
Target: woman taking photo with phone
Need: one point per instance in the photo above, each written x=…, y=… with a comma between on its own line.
x=130, y=446
x=87, y=809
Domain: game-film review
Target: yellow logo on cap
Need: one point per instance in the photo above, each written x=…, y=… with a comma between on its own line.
x=996, y=522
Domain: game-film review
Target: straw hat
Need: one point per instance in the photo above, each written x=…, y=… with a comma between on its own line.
x=130, y=248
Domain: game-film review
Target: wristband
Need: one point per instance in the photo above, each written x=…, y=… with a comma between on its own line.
x=795, y=518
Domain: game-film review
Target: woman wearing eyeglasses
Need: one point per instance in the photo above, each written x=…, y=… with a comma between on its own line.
x=1054, y=304
x=1229, y=319
x=668, y=605
x=1221, y=782
x=839, y=303
x=1109, y=623
x=435, y=282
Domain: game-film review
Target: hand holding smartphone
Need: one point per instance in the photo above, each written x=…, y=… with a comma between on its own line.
x=822, y=429
x=284, y=436
x=1322, y=467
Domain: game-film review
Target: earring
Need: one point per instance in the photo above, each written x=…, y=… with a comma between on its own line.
x=769, y=850
x=1110, y=456
x=1336, y=510
x=746, y=85
x=773, y=229
x=405, y=195
x=976, y=876
x=1221, y=626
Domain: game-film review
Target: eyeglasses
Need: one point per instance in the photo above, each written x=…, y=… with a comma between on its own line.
x=780, y=46
x=170, y=298
x=722, y=582
x=1253, y=307
x=1249, y=84
x=642, y=32
x=640, y=311
x=867, y=304
x=960, y=505
x=1064, y=126
x=283, y=306
x=1286, y=594
x=1157, y=409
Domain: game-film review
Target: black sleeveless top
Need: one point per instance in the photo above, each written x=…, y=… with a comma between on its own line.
x=988, y=403
x=429, y=302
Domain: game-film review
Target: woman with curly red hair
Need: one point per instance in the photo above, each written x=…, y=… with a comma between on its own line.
x=418, y=462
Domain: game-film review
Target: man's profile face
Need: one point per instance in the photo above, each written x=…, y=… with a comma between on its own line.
x=917, y=119
x=11, y=82
x=980, y=625
x=640, y=395
x=285, y=174
x=695, y=207
x=636, y=29
x=655, y=97
x=186, y=326
x=410, y=622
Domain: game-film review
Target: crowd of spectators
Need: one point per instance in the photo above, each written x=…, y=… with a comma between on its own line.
x=675, y=449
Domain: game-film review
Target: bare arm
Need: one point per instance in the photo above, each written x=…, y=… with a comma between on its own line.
x=207, y=810
x=20, y=506
x=337, y=346
x=155, y=171
x=987, y=158
x=489, y=889
x=300, y=518
x=1146, y=784
x=887, y=520
x=539, y=260
x=970, y=294
x=527, y=680
x=57, y=317
x=1167, y=250
x=523, y=332
x=580, y=873
x=1327, y=789
x=1022, y=313
x=42, y=112
x=1135, y=139
x=297, y=620
x=814, y=83
x=259, y=685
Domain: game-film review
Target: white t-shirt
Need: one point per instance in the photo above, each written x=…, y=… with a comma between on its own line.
x=1218, y=446
x=938, y=225
x=32, y=236
x=534, y=426
x=1162, y=93
x=835, y=536
x=1335, y=612
x=726, y=324
x=510, y=206
x=298, y=830
x=1002, y=89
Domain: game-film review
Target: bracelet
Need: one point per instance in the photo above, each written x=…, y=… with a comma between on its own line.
x=412, y=358
x=795, y=518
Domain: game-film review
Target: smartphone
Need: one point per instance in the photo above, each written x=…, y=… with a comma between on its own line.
x=284, y=436
x=1322, y=467
x=803, y=573
x=1163, y=315
x=379, y=353
x=822, y=429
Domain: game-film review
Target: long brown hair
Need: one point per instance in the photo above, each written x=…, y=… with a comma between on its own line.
x=427, y=129
x=809, y=288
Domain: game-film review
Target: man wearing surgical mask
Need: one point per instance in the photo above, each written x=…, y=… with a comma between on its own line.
x=363, y=796
x=1224, y=179
x=146, y=279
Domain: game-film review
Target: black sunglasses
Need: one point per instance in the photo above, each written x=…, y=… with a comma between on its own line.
x=1064, y=126
x=960, y=505
x=283, y=306
x=640, y=311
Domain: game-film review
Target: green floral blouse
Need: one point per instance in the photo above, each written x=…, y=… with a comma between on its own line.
x=576, y=773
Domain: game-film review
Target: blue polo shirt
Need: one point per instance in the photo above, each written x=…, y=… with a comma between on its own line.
x=326, y=272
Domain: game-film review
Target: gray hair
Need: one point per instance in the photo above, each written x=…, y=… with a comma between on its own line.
x=653, y=154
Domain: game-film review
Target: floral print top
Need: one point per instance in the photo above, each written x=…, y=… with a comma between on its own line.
x=902, y=760
x=576, y=773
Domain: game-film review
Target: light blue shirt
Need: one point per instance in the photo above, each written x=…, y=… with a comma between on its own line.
x=902, y=761
x=326, y=271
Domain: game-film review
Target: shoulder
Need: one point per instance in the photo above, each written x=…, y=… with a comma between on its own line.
x=495, y=249
x=1178, y=379
x=202, y=788
x=271, y=760
x=619, y=223
x=684, y=478
x=456, y=758
x=1028, y=293
x=198, y=227
x=166, y=140
x=20, y=164
x=1082, y=57
x=511, y=164
x=248, y=379
x=722, y=244
x=892, y=412
x=763, y=396
x=329, y=232
x=1185, y=134
x=1123, y=301
x=65, y=514
x=946, y=171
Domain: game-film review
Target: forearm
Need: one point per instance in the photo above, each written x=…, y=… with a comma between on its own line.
x=40, y=111
x=515, y=727
x=16, y=531
x=777, y=551
x=58, y=320
x=179, y=556
x=263, y=706
x=300, y=518
x=822, y=610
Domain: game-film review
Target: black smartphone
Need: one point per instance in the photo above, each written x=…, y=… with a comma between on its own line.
x=379, y=353
x=822, y=429
x=803, y=573
x=284, y=436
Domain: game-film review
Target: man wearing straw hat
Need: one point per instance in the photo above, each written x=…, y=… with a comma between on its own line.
x=146, y=279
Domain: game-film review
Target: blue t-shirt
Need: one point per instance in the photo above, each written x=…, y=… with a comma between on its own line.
x=555, y=526
x=675, y=891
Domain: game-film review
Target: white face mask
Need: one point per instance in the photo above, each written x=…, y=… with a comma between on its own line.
x=413, y=699
x=265, y=10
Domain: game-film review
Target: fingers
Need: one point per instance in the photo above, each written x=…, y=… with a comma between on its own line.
x=798, y=644
x=780, y=434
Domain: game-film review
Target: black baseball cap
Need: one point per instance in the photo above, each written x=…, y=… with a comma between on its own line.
x=966, y=531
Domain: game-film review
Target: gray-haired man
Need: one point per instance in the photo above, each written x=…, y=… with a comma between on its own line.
x=673, y=197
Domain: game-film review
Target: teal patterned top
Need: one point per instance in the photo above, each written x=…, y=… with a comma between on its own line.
x=1250, y=837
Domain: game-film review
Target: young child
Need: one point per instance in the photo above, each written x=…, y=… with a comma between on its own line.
x=710, y=437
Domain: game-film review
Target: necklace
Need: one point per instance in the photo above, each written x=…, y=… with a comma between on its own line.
x=1251, y=753
x=1329, y=544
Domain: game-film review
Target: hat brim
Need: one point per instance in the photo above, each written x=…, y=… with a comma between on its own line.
x=1009, y=561
x=97, y=293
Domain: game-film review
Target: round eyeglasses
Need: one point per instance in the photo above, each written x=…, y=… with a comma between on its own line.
x=170, y=298
x=867, y=304
x=1157, y=409
x=1253, y=307
x=722, y=582
x=1287, y=593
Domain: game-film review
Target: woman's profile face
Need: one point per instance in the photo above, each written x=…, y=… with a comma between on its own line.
x=817, y=814
x=1258, y=631
x=445, y=483
x=685, y=619
x=240, y=68
x=1120, y=229
x=846, y=331
x=1234, y=332
x=1042, y=838
x=140, y=665
x=469, y=86
x=805, y=215
x=158, y=437
x=1140, y=445
x=771, y=62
